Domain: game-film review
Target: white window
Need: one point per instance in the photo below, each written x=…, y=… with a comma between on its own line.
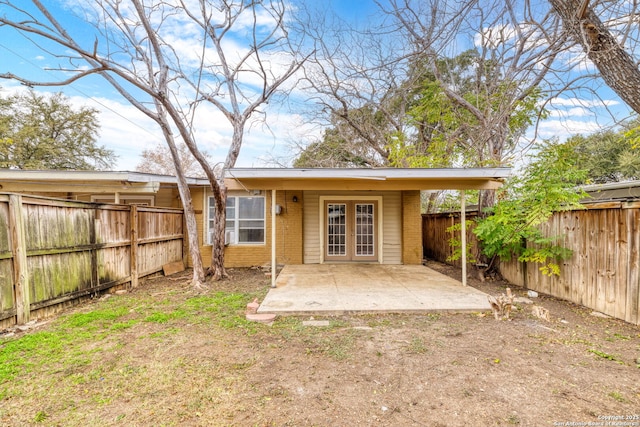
x=245, y=220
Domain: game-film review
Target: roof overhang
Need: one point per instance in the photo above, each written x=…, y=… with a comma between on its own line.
x=612, y=191
x=365, y=179
x=96, y=182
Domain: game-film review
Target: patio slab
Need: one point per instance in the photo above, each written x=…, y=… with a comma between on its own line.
x=346, y=288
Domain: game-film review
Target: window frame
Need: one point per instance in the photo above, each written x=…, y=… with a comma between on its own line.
x=237, y=220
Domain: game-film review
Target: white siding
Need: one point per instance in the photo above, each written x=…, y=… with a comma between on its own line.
x=392, y=228
x=311, y=227
x=391, y=211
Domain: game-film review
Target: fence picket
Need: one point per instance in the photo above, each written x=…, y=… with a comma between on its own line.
x=603, y=273
x=61, y=251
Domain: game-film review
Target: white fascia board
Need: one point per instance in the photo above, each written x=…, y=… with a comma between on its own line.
x=610, y=186
x=373, y=174
x=94, y=176
x=58, y=175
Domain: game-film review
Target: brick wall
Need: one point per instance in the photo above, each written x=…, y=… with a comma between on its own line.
x=288, y=234
x=289, y=225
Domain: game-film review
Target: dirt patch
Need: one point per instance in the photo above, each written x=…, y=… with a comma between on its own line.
x=203, y=366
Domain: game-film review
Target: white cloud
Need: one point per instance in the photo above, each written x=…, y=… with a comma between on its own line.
x=123, y=129
x=565, y=128
x=493, y=37
x=128, y=132
x=583, y=103
x=571, y=112
x=569, y=116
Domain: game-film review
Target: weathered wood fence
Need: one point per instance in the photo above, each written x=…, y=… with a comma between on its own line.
x=436, y=237
x=604, y=271
x=54, y=252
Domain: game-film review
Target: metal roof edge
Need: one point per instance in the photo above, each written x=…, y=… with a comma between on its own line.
x=610, y=185
x=75, y=175
x=368, y=173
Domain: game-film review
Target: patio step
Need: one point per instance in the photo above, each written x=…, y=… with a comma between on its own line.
x=252, y=307
x=261, y=318
x=252, y=313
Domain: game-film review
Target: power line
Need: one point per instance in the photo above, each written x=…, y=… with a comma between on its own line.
x=81, y=92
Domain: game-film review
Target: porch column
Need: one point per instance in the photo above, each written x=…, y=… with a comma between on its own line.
x=274, y=265
x=463, y=236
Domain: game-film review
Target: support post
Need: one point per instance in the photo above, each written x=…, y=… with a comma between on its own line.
x=463, y=236
x=22, y=295
x=134, y=246
x=274, y=264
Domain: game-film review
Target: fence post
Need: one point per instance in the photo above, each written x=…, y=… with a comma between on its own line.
x=19, y=250
x=134, y=246
x=93, y=240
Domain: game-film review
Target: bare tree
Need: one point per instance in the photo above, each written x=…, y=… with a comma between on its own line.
x=158, y=160
x=609, y=35
x=367, y=80
x=515, y=47
x=239, y=54
x=349, y=80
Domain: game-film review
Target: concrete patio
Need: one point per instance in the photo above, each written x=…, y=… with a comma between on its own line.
x=348, y=288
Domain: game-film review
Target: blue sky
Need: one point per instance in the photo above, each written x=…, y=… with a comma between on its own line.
x=127, y=131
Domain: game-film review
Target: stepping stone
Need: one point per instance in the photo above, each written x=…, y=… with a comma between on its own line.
x=261, y=317
x=315, y=323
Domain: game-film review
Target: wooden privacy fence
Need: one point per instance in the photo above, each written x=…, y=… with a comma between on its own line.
x=53, y=252
x=436, y=239
x=604, y=270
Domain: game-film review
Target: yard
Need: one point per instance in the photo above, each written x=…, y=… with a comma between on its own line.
x=164, y=355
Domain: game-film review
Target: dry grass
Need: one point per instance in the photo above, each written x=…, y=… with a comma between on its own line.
x=164, y=355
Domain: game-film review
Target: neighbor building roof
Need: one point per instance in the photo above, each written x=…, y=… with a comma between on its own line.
x=17, y=180
x=612, y=191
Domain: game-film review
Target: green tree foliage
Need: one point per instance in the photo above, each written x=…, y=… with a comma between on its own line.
x=467, y=113
x=333, y=151
x=420, y=124
x=546, y=185
x=46, y=132
x=608, y=156
x=357, y=138
x=436, y=126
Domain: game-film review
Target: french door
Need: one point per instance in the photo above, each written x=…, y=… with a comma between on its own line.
x=351, y=230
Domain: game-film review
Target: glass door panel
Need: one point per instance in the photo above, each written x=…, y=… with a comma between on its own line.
x=350, y=231
x=336, y=230
x=365, y=230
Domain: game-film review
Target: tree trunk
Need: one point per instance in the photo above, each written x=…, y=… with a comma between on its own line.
x=217, y=269
x=185, y=198
x=616, y=66
x=198, y=279
x=236, y=143
x=431, y=203
x=486, y=199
